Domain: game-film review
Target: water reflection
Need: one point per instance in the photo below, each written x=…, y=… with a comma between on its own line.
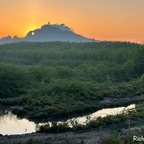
x=102, y=113
x=10, y=124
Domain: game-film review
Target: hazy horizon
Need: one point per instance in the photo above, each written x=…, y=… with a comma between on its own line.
x=102, y=20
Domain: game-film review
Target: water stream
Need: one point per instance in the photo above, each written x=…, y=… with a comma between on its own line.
x=10, y=124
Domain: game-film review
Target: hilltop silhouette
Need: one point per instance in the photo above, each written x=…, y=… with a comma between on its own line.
x=49, y=32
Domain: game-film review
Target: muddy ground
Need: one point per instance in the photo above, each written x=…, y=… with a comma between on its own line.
x=91, y=136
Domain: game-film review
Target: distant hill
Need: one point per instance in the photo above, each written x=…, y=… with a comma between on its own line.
x=49, y=32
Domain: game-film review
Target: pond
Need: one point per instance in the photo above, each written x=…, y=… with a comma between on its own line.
x=11, y=125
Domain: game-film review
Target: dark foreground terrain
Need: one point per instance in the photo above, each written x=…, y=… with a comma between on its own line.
x=73, y=138
x=107, y=135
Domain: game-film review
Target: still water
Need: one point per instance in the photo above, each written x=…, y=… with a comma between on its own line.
x=10, y=124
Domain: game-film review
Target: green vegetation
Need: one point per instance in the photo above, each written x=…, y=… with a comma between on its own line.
x=57, y=79
x=124, y=117
x=124, y=137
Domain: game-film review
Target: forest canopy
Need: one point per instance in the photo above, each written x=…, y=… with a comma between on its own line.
x=60, y=78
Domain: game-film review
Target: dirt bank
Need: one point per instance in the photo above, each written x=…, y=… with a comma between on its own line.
x=91, y=136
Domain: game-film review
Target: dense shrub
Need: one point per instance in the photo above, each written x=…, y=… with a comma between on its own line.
x=62, y=78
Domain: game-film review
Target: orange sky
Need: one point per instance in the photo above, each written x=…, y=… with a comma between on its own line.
x=99, y=19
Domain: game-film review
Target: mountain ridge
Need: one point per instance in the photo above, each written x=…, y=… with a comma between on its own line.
x=49, y=32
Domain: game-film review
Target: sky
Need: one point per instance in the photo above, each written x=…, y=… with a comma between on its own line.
x=116, y=20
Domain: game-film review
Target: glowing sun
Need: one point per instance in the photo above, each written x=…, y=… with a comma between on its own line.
x=30, y=28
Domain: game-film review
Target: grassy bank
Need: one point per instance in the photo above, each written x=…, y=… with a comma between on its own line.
x=134, y=115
